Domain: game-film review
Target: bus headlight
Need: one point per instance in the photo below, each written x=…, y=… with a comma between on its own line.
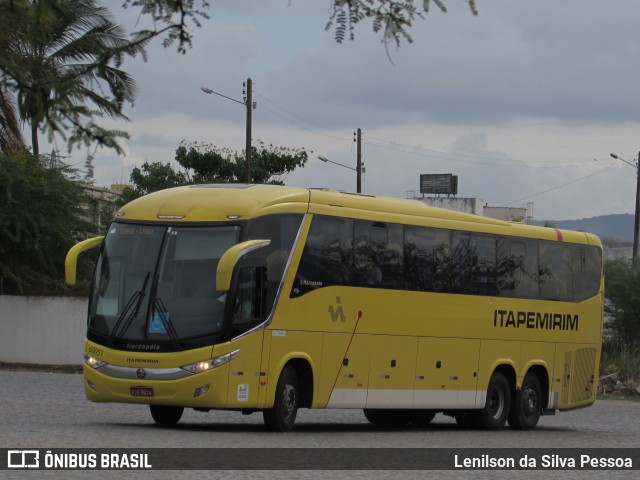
x=93, y=361
x=205, y=365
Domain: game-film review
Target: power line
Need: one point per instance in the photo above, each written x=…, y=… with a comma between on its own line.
x=300, y=126
x=470, y=158
x=558, y=186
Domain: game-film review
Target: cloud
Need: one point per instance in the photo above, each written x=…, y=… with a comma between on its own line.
x=565, y=61
x=517, y=101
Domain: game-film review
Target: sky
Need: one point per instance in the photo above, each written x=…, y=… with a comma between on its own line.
x=524, y=102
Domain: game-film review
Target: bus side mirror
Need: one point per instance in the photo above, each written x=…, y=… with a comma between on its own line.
x=71, y=262
x=230, y=258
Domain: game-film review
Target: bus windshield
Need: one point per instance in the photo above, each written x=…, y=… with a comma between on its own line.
x=155, y=285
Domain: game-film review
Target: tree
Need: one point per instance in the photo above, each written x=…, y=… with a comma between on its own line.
x=175, y=15
x=10, y=132
x=40, y=219
x=210, y=164
x=204, y=163
x=151, y=177
x=623, y=301
x=391, y=18
x=62, y=59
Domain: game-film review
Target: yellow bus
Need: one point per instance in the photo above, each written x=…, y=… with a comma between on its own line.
x=259, y=298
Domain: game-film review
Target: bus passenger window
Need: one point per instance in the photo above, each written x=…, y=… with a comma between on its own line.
x=367, y=267
x=427, y=253
x=483, y=269
x=463, y=253
x=250, y=299
x=327, y=256
x=281, y=229
x=393, y=258
x=587, y=266
x=517, y=267
x=378, y=254
x=506, y=267
x=555, y=271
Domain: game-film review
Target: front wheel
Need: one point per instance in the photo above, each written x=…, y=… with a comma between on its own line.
x=164, y=415
x=282, y=416
x=496, y=409
x=527, y=406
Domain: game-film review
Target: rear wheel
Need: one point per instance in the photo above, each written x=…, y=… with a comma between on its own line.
x=164, y=415
x=496, y=409
x=282, y=416
x=527, y=405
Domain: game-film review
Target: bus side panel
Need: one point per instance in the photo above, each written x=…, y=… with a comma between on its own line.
x=446, y=373
x=244, y=371
x=392, y=371
x=264, y=368
x=352, y=382
x=575, y=375
x=334, y=347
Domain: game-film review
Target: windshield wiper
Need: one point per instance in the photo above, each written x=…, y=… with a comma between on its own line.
x=130, y=311
x=166, y=321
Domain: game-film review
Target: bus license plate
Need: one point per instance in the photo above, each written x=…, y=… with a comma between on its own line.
x=142, y=391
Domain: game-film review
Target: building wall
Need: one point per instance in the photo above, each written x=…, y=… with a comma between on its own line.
x=508, y=214
x=42, y=330
x=465, y=205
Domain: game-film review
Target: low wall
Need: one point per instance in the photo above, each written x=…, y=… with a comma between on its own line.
x=42, y=330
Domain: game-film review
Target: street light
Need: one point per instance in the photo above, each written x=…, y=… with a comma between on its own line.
x=636, y=227
x=359, y=170
x=248, y=103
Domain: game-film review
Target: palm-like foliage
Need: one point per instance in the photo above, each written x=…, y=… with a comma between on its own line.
x=10, y=132
x=62, y=58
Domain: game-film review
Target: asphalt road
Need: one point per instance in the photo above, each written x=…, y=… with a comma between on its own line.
x=48, y=410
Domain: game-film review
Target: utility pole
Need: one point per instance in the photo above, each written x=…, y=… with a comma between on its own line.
x=636, y=227
x=359, y=161
x=249, y=103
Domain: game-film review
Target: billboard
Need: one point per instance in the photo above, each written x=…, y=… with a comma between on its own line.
x=439, y=183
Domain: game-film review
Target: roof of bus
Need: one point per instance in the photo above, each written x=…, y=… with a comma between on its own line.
x=224, y=202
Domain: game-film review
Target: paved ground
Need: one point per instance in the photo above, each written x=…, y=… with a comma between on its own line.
x=48, y=410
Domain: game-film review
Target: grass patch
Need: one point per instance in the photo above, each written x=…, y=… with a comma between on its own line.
x=620, y=369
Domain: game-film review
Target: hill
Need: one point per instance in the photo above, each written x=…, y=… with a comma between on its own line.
x=618, y=227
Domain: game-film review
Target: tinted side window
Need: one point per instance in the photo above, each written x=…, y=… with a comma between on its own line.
x=378, y=254
x=427, y=253
x=587, y=266
x=282, y=231
x=463, y=253
x=555, y=272
x=517, y=267
x=327, y=256
x=473, y=262
x=483, y=266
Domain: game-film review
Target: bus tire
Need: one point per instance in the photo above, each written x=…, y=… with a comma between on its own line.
x=387, y=418
x=527, y=405
x=164, y=415
x=282, y=416
x=497, y=405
